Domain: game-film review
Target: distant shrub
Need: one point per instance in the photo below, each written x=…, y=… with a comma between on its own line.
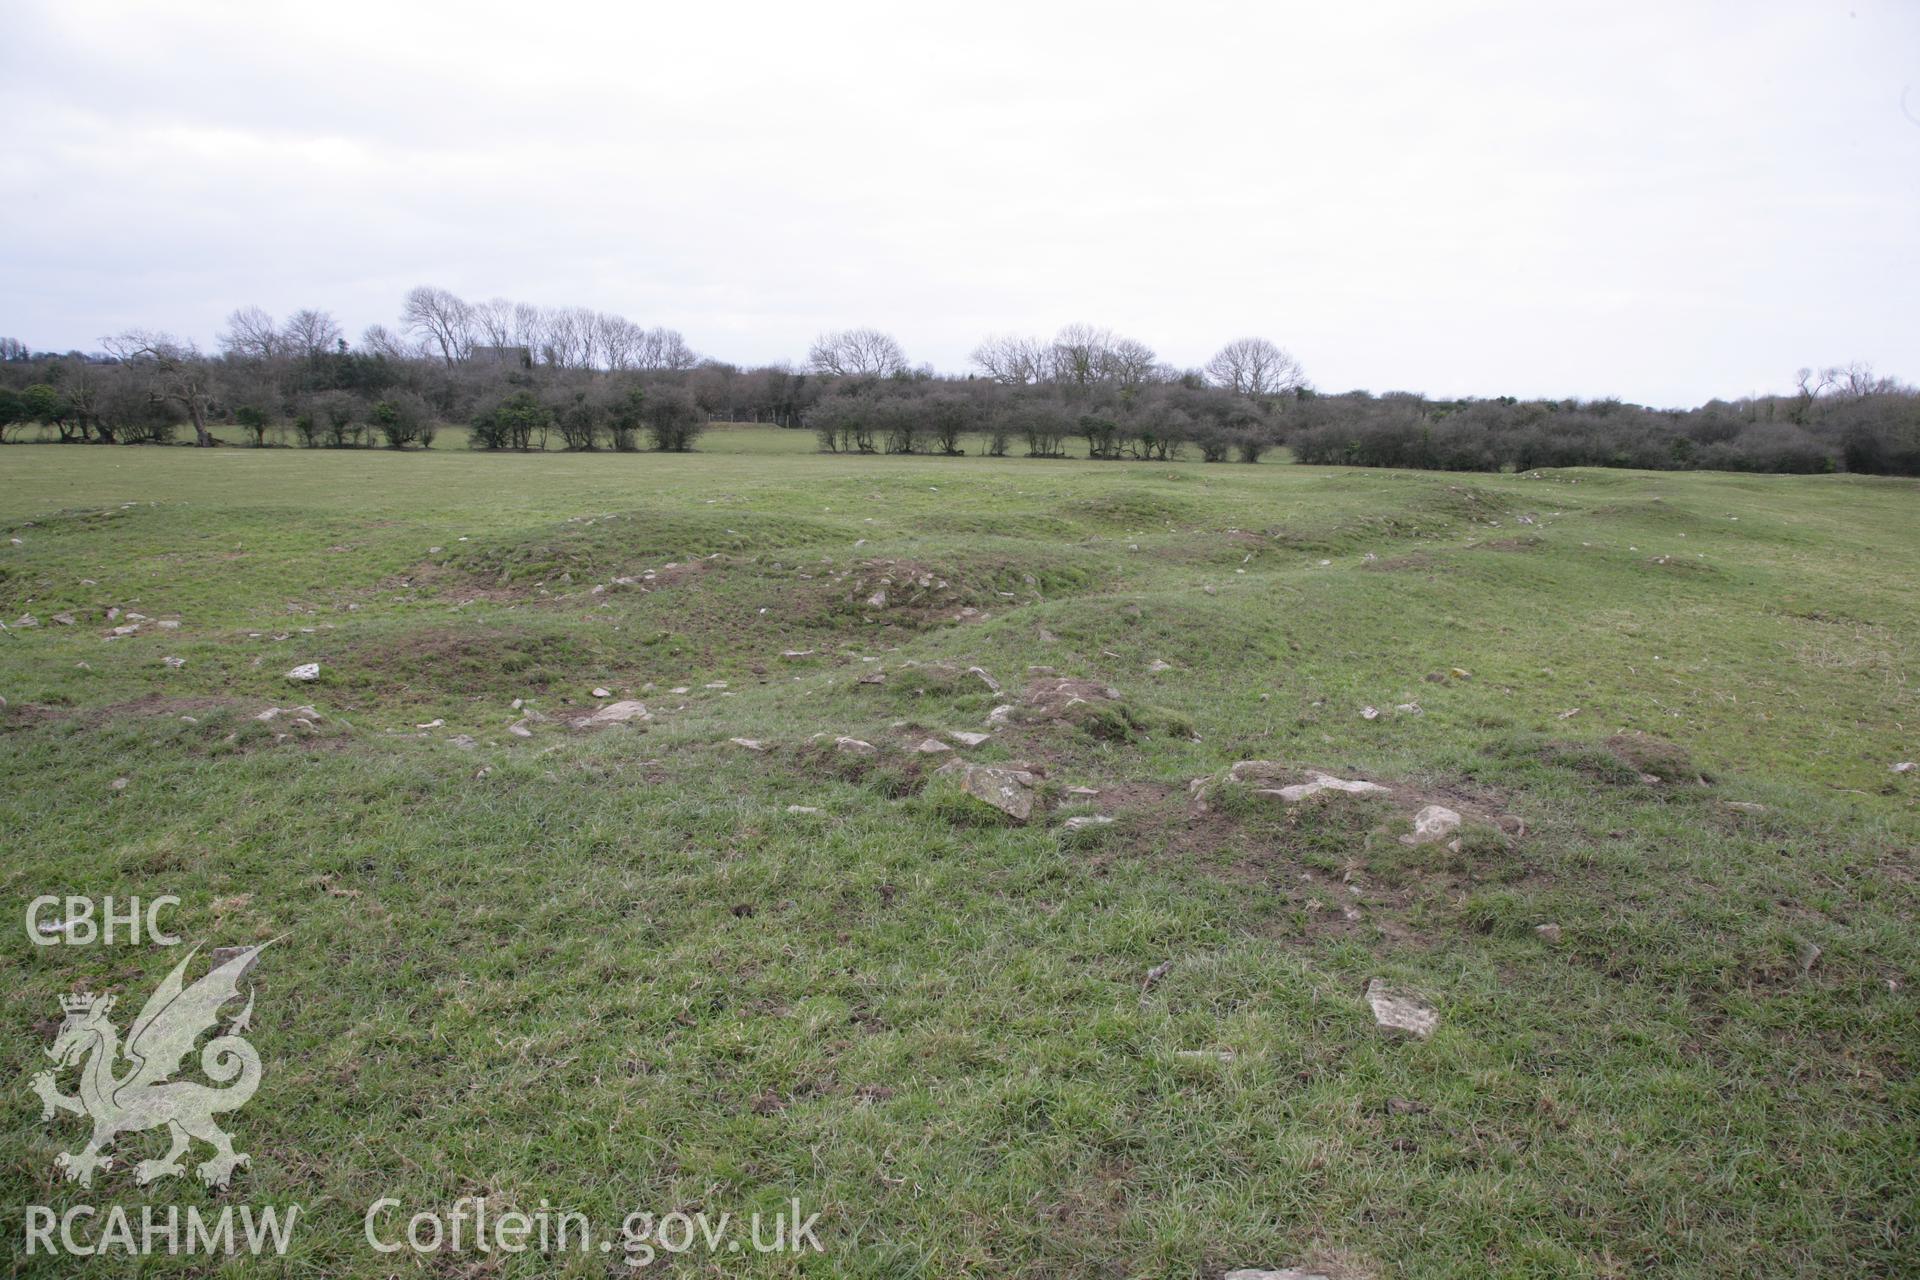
x=673, y=421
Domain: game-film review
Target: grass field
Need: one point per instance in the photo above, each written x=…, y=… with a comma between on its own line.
x=611, y=970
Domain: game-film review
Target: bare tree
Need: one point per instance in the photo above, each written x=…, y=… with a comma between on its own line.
x=1080, y=353
x=1015, y=361
x=251, y=334
x=174, y=372
x=665, y=349
x=857, y=353
x=310, y=332
x=529, y=323
x=379, y=340
x=620, y=340
x=494, y=321
x=1255, y=368
x=566, y=340
x=441, y=320
x=1128, y=362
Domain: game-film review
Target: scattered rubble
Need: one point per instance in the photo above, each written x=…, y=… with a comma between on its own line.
x=966, y=739
x=305, y=673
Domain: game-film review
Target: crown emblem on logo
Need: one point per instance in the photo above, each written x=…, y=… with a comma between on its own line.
x=79, y=1002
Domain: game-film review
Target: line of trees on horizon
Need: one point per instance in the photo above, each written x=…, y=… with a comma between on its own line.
x=523, y=377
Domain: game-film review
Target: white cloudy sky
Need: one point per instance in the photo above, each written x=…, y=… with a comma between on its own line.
x=1664, y=201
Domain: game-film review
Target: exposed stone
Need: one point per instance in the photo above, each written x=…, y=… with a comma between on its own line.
x=168, y=624
x=1369, y=713
x=175, y=663
x=1254, y=772
x=64, y=619
x=1549, y=933
x=1209, y=1055
x=932, y=747
x=749, y=744
x=1284, y=1273
x=305, y=673
x=1000, y=715
x=1905, y=766
x=118, y=784
x=1434, y=823
x=796, y=653
x=801, y=808
x=1083, y=793
x=873, y=677
x=978, y=673
x=302, y=712
x=520, y=729
x=602, y=693
x=1004, y=788
x=1086, y=822
x=463, y=741
x=1399, y=1011
x=966, y=739
x=1746, y=806
x=623, y=712
x=854, y=747
x=432, y=724
x=1054, y=696
x=1159, y=665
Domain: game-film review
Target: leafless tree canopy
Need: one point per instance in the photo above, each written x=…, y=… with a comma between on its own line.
x=251, y=335
x=174, y=374
x=857, y=353
x=1255, y=367
x=440, y=320
x=1079, y=355
x=310, y=333
x=1014, y=361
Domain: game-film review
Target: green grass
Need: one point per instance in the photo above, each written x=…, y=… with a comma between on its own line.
x=611, y=969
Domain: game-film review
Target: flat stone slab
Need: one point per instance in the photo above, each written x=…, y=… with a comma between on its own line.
x=624, y=712
x=1399, y=1011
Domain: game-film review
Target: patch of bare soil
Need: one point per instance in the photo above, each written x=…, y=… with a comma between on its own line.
x=28, y=714
x=1341, y=858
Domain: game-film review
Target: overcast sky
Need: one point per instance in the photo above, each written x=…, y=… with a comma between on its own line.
x=1663, y=201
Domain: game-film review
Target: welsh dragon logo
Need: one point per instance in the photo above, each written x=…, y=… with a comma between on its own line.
x=142, y=1096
